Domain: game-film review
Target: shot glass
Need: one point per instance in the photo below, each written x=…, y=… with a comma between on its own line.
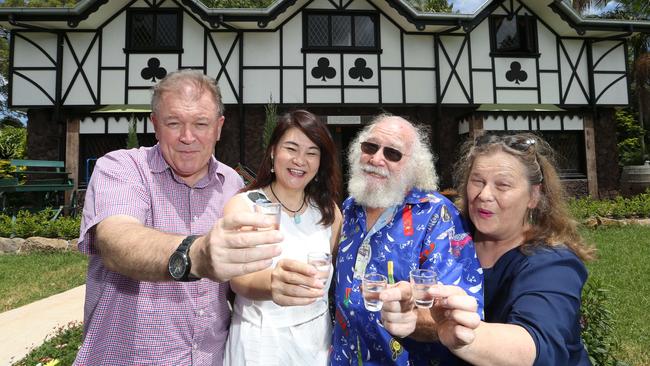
x=371, y=285
x=421, y=281
x=322, y=261
x=270, y=209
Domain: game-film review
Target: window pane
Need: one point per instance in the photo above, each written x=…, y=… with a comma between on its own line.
x=142, y=31
x=317, y=33
x=568, y=148
x=569, y=151
x=341, y=30
x=166, y=35
x=506, y=34
x=364, y=31
x=526, y=25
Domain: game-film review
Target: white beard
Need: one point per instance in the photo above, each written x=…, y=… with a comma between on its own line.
x=378, y=195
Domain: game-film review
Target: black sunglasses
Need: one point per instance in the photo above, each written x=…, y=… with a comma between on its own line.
x=514, y=142
x=390, y=153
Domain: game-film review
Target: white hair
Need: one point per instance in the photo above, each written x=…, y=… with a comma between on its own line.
x=419, y=171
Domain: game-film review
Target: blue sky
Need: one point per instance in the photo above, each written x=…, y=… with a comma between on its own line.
x=466, y=6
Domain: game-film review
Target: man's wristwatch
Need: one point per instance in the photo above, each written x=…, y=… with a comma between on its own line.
x=179, y=263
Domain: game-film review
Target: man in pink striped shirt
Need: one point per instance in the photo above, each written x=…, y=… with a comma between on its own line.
x=149, y=298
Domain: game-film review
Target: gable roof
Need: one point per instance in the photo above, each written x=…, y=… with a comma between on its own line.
x=90, y=14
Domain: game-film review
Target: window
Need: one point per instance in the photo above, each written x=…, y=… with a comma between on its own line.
x=569, y=147
x=154, y=31
x=513, y=35
x=333, y=31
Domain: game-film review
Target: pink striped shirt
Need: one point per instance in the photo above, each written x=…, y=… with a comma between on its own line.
x=129, y=322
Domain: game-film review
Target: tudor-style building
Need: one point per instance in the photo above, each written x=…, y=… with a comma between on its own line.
x=514, y=65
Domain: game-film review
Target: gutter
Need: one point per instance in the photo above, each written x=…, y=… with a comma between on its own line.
x=73, y=16
x=581, y=24
x=218, y=16
x=79, y=9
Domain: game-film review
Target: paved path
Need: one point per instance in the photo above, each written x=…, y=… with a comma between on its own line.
x=26, y=327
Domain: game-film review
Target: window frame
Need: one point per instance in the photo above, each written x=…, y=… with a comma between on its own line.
x=131, y=13
x=531, y=35
x=578, y=136
x=374, y=16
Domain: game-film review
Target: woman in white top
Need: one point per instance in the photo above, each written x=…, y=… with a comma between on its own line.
x=280, y=316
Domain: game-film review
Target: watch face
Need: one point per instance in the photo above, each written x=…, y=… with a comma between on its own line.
x=177, y=265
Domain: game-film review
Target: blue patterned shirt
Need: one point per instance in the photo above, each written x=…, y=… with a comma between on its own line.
x=426, y=231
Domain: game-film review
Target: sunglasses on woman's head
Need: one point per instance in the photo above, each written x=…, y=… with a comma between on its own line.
x=390, y=153
x=513, y=142
x=522, y=144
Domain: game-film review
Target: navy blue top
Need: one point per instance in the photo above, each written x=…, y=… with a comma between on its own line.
x=540, y=292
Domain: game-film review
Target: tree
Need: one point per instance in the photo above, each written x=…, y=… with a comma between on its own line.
x=639, y=61
x=39, y=3
x=270, y=121
x=431, y=6
x=132, y=137
x=582, y=5
x=13, y=142
x=237, y=3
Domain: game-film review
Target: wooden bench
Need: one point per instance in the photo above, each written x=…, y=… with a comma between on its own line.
x=46, y=176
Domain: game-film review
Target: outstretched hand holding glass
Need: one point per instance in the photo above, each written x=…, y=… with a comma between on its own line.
x=372, y=285
x=270, y=209
x=322, y=261
x=421, y=281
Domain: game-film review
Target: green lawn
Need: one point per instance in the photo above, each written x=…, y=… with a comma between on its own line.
x=29, y=277
x=623, y=264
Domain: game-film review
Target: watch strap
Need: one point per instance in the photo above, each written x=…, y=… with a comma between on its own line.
x=184, y=248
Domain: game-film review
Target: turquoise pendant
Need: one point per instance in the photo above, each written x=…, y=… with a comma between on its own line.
x=296, y=218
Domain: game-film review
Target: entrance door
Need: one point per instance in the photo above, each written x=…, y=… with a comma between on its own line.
x=343, y=135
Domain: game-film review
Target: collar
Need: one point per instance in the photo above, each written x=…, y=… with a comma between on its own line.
x=416, y=196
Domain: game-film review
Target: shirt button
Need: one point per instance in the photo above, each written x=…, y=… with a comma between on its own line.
x=195, y=346
x=195, y=218
x=201, y=312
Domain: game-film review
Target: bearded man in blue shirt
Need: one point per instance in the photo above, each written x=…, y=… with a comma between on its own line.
x=395, y=221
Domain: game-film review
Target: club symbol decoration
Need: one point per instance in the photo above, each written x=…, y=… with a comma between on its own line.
x=153, y=70
x=515, y=73
x=323, y=71
x=360, y=71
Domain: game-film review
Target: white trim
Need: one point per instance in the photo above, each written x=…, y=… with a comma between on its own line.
x=463, y=127
x=574, y=123
x=517, y=123
x=491, y=123
x=550, y=123
x=343, y=120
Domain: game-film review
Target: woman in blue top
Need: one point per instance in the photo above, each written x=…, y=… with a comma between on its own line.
x=532, y=259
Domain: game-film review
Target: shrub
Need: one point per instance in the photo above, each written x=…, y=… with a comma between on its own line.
x=633, y=207
x=28, y=224
x=630, y=135
x=13, y=142
x=6, y=169
x=597, y=325
x=67, y=227
x=6, y=226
